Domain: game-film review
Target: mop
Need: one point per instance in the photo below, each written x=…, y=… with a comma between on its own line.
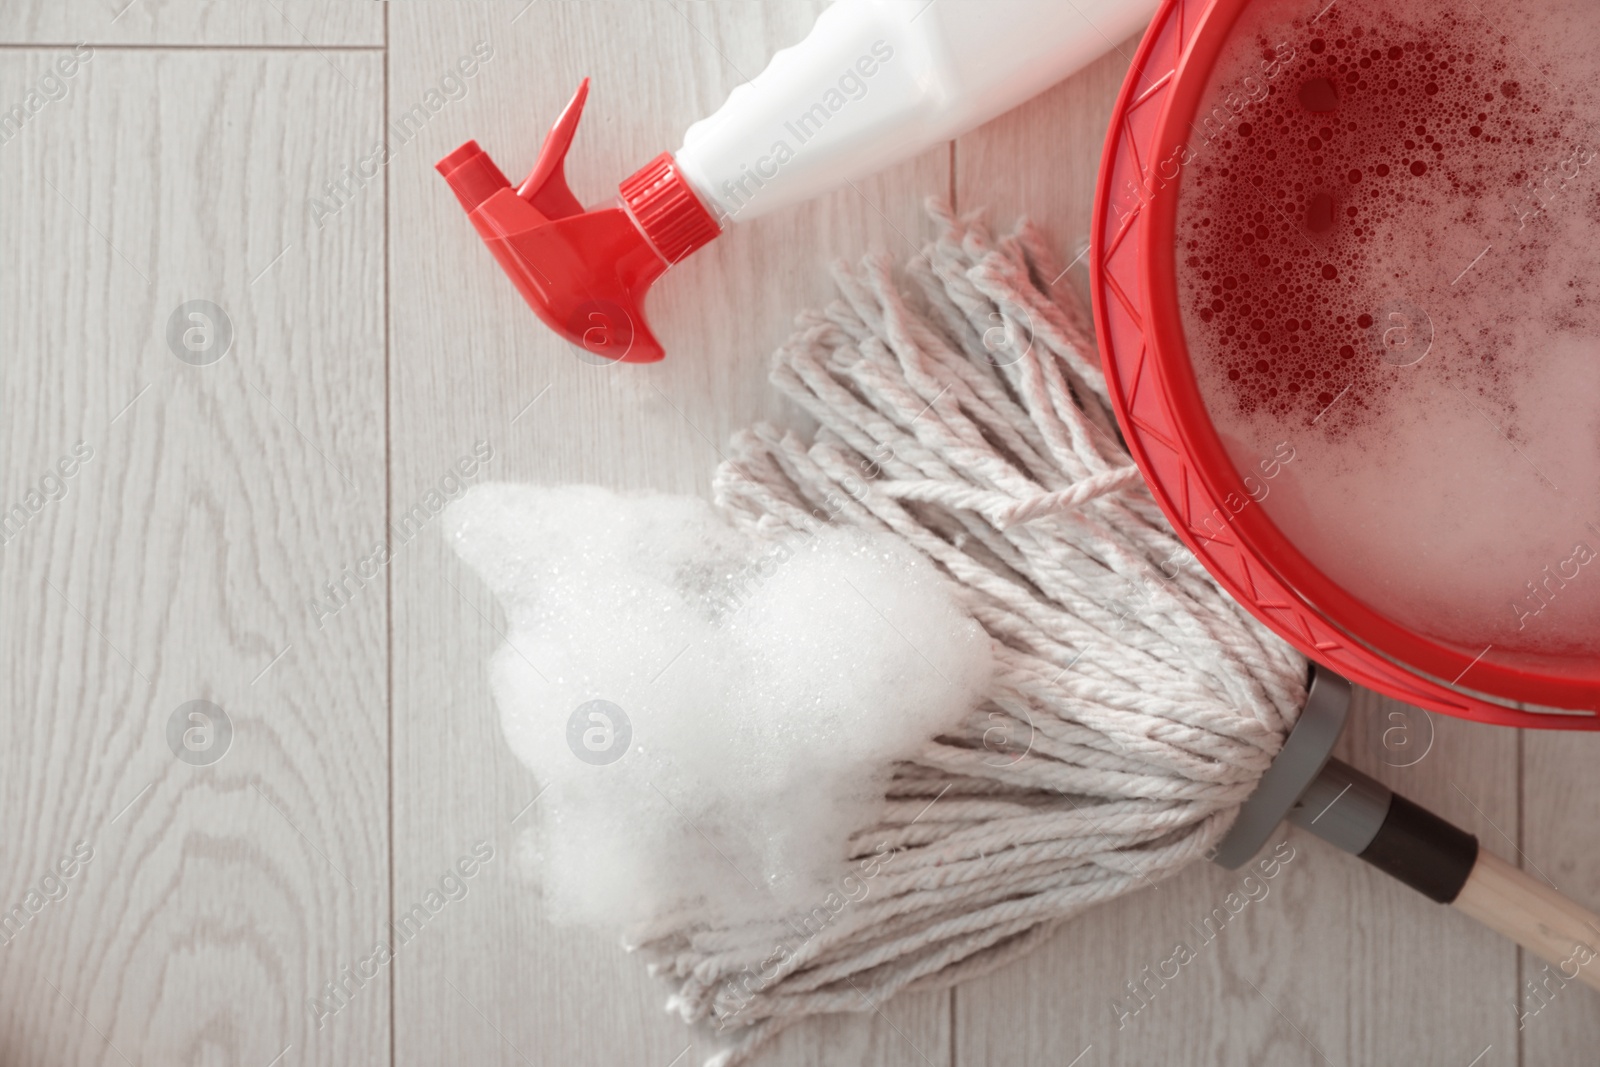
x=1135, y=706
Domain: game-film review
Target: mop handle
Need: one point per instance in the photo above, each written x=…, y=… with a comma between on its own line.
x=1535, y=915
x=1362, y=816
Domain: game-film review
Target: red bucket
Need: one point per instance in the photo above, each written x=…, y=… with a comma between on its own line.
x=1165, y=421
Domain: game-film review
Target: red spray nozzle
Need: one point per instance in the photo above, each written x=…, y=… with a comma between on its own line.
x=584, y=272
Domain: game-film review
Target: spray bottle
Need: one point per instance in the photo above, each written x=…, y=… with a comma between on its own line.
x=873, y=83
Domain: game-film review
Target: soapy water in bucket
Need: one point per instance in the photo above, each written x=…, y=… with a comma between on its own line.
x=1389, y=273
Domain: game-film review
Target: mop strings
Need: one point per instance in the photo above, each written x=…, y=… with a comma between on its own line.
x=1135, y=706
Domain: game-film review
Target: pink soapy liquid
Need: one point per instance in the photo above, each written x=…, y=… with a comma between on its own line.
x=1388, y=260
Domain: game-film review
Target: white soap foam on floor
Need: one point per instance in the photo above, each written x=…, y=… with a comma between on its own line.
x=756, y=693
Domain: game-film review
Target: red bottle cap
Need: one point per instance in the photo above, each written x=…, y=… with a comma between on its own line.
x=585, y=273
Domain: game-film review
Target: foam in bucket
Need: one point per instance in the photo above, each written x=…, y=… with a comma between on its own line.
x=1388, y=268
x=711, y=713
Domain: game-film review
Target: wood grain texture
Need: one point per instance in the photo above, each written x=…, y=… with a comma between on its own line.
x=208, y=23
x=179, y=564
x=375, y=344
x=1560, y=841
x=468, y=360
x=1041, y=160
x=1530, y=911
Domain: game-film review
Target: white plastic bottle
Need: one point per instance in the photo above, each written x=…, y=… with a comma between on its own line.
x=878, y=81
x=874, y=82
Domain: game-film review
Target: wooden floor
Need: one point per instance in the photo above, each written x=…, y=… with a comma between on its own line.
x=212, y=502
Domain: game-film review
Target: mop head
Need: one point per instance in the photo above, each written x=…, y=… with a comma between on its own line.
x=1121, y=708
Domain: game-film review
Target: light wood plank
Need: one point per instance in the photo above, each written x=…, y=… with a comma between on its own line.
x=291, y=23
x=468, y=359
x=180, y=563
x=1041, y=160
x=1560, y=841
